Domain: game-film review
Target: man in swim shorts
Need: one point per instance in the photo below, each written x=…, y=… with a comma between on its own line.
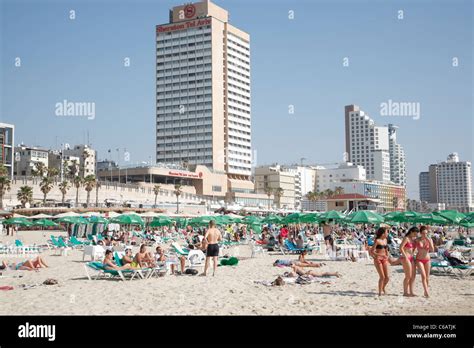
x=212, y=236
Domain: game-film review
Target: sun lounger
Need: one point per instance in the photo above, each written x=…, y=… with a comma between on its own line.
x=101, y=271
x=179, y=250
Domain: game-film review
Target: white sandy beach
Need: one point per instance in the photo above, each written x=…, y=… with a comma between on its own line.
x=231, y=292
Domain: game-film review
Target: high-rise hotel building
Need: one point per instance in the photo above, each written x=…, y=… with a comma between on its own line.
x=203, y=91
x=374, y=147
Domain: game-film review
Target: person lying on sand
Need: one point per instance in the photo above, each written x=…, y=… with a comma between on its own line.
x=298, y=271
x=290, y=263
x=302, y=262
x=109, y=263
x=28, y=265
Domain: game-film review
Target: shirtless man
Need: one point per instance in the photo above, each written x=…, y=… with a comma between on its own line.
x=299, y=271
x=143, y=258
x=212, y=237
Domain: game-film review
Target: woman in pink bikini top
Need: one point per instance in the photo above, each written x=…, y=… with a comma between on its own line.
x=424, y=245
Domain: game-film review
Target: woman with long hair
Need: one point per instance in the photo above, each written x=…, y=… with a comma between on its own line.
x=379, y=252
x=407, y=250
x=424, y=245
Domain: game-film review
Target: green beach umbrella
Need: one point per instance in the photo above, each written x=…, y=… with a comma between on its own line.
x=430, y=218
x=97, y=220
x=249, y=219
x=128, y=219
x=453, y=216
x=366, y=217
x=73, y=220
x=332, y=215
x=161, y=221
x=20, y=221
x=405, y=216
x=272, y=219
x=45, y=223
x=391, y=215
x=310, y=218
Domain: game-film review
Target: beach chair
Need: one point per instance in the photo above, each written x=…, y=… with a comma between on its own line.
x=102, y=272
x=292, y=249
x=63, y=247
x=463, y=270
x=179, y=250
x=257, y=249
x=441, y=267
x=196, y=258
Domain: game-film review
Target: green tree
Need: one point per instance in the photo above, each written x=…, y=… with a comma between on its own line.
x=279, y=193
x=77, y=183
x=25, y=195
x=64, y=187
x=268, y=191
x=89, y=184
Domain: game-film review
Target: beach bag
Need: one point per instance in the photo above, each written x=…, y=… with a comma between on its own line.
x=303, y=280
x=50, y=281
x=191, y=271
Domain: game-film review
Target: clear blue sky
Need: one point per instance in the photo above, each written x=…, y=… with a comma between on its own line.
x=294, y=62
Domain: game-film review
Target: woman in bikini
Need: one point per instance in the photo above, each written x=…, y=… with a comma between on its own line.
x=424, y=245
x=109, y=263
x=407, y=250
x=28, y=265
x=379, y=252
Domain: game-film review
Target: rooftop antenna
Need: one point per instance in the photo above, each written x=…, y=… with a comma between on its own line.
x=301, y=160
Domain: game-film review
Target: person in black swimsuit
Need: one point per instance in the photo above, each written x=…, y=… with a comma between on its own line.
x=213, y=237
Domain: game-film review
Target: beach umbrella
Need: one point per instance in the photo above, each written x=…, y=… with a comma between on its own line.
x=332, y=215
x=468, y=221
x=366, y=217
x=44, y=223
x=73, y=220
x=250, y=219
x=310, y=217
x=292, y=218
x=429, y=218
x=405, y=216
x=128, y=219
x=15, y=215
x=202, y=220
x=17, y=221
x=391, y=215
x=40, y=216
x=453, y=216
x=97, y=220
x=272, y=219
x=67, y=214
x=161, y=221
x=149, y=214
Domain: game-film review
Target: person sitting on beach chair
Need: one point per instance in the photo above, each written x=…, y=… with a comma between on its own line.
x=128, y=258
x=109, y=263
x=144, y=258
x=28, y=265
x=302, y=262
x=161, y=257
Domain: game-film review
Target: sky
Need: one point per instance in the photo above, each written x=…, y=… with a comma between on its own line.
x=299, y=55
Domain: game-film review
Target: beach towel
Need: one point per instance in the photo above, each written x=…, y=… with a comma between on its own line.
x=5, y=288
x=233, y=261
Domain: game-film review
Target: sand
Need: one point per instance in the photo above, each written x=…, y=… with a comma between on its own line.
x=231, y=292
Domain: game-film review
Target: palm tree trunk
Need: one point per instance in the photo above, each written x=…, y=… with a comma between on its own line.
x=177, y=204
x=96, y=197
x=1, y=199
x=77, y=196
x=88, y=198
x=63, y=198
x=44, y=199
x=156, y=197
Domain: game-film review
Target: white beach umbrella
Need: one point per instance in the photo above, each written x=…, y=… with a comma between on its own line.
x=40, y=216
x=149, y=214
x=91, y=213
x=67, y=214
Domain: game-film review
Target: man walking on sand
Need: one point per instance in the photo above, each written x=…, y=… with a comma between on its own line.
x=212, y=236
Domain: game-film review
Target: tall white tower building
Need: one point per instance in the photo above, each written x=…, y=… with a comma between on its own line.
x=203, y=91
x=397, y=158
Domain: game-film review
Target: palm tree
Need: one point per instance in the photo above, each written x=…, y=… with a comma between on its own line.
x=97, y=187
x=39, y=170
x=5, y=183
x=328, y=193
x=279, y=193
x=77, y=182
x=268, y=192
x=156, y=191
x=46, y=184
x=25, y=195
x=73, y=169
x=89, y=184
x=64, y=187
x=85, y=156
x=338, y=190
x=177, y=192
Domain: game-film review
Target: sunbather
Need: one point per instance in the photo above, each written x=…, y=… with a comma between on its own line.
x=302, y=262
x=128, y=259
x=28, y=265
x=297, y=263
x=110, y=264
x=161, y=257
x=144, y=258
x=298, y=271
